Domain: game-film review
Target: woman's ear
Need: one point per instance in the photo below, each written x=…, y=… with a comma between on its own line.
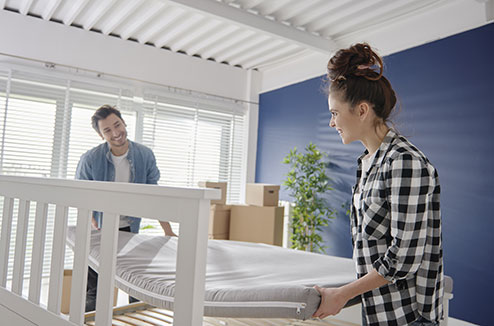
x=363, y=110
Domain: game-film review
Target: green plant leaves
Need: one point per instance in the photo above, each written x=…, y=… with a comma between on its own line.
x=307, y=181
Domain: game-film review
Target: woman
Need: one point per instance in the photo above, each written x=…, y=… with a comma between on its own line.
x=395, y=219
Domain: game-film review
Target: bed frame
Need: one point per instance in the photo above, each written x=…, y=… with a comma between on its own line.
x=187, y=206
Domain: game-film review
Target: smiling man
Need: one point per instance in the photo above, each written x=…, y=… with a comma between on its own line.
x=116, y=160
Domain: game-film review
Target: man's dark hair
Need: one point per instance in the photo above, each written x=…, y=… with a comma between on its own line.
x=103, y=112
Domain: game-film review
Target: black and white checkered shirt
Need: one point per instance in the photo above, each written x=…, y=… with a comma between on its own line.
x=396, y=229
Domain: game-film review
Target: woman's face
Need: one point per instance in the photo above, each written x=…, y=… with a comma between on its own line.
x=345, y=120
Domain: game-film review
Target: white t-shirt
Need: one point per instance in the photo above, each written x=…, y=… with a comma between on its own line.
x=366, y=163
x=122, y=174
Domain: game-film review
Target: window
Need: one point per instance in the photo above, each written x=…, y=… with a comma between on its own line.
x=45, y=127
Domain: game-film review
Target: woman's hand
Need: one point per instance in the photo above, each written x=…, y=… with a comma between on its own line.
x=332, y=301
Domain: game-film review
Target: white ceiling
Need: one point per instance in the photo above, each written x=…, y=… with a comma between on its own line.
x=264, y=34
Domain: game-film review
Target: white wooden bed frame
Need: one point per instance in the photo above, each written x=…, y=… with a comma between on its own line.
x=187, y=206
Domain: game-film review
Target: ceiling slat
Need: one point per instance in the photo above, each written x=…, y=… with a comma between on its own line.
x=258, y=51
x=118, y=16
x=233, y=39
x=178, y=29
x=97, y=12
x=26, y=4
x=166, y=19
x=273, y=55
x=50, y=9
x=227, y=55
x=74, y=11
x=140, y=20
x=192, y=37
x=210, y=39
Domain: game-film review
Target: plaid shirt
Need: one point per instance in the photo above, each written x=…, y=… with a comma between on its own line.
x=397, y=230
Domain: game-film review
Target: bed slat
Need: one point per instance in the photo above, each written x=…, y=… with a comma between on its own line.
x=57, y=260
x=20, y=246
x=8, y=206
x=106, y=270
x=79, y=270
x=38, y=252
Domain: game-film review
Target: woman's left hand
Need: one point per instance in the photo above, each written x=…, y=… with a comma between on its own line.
x=332, y=301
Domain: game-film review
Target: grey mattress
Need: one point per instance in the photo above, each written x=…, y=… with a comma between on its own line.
x=242, y=279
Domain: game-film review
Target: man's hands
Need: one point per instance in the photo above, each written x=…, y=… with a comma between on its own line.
x=168, y=229
x=332, y=301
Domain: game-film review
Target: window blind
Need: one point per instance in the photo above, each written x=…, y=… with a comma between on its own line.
x=45, y=127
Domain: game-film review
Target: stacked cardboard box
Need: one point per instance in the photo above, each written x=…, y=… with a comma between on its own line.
x=219, y=216
x=261, y=220
x=66, y=290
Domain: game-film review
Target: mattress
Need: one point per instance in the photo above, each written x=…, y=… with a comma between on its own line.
x=243, y=280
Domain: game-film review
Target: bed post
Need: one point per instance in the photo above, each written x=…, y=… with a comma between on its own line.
x=106, y=270
x=191, y=267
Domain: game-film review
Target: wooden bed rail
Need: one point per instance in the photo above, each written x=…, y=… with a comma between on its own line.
x=187, y=206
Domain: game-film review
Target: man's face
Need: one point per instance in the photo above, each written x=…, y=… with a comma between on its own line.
x=112, y=129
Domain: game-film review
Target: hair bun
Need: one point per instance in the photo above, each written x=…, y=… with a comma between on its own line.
x=358, y=60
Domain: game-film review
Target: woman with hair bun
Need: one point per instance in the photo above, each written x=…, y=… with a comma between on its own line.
x=395, y=215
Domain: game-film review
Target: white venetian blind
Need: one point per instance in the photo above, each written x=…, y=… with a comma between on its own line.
x=195, y=140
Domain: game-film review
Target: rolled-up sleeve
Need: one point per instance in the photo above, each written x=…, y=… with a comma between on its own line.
x=83, y=171
x=409, y=191
x=153, y=173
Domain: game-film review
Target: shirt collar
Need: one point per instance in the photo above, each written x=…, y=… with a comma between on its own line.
x=383, y=148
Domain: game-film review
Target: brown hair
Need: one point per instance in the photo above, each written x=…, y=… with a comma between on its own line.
x=102, y=113
x=352, y=73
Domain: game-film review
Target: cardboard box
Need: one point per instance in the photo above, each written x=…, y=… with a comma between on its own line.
x=261, y=194
x=225, y=236
x=219, y=220
x=67, y=284
x=215, y=185
x=257, y=224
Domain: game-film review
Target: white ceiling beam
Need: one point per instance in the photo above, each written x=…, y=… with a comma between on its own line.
x=118, y=16
x=74, y=11
x=249, y=4
x=96, y=13
x=319, y=11
x=258, y=23
x=295, y=9
x=364, y=14
x=50, y=9
x=2, y=4
x=267, y=8
x=139, y=20
x=26, y=5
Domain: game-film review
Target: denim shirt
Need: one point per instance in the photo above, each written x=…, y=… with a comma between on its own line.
x=96, y=164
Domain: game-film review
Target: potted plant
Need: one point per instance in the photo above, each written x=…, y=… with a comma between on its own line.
x=307, y=183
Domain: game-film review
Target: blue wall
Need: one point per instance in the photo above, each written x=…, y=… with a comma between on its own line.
x=446, y=90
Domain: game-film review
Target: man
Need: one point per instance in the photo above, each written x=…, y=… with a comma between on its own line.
x=120, y=160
